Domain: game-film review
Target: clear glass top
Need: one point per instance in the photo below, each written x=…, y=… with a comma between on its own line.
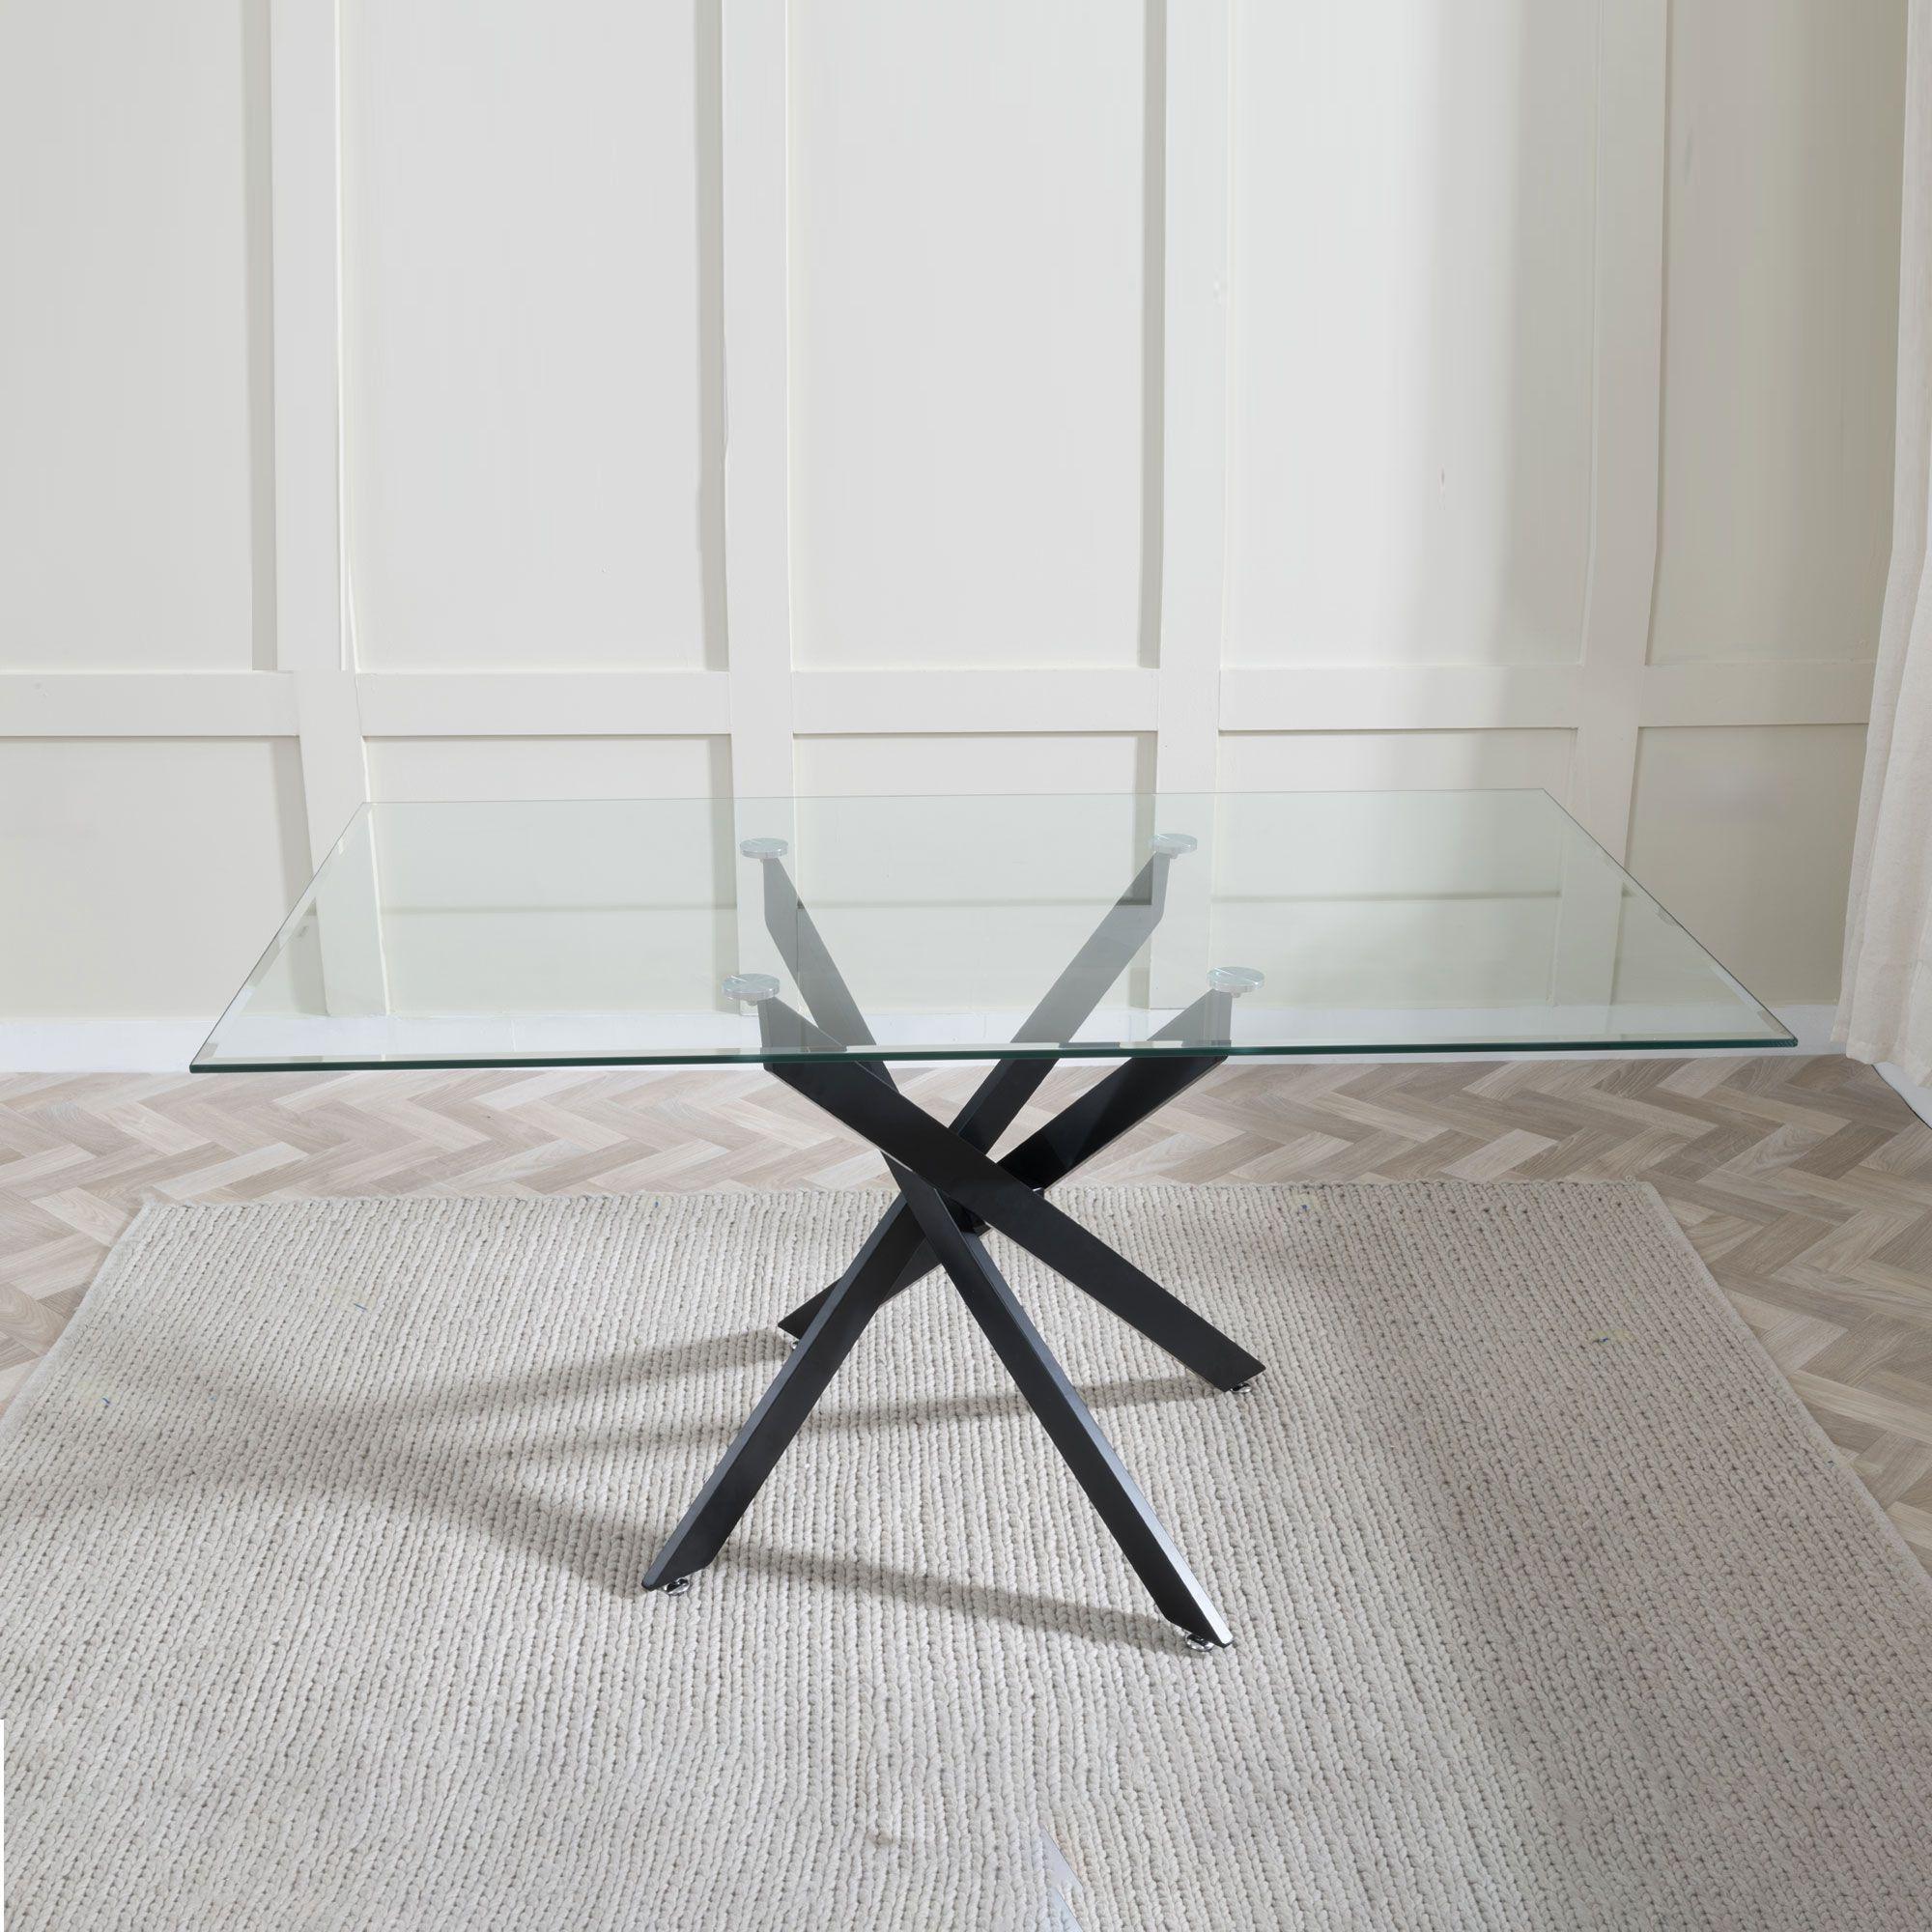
x=642, y=931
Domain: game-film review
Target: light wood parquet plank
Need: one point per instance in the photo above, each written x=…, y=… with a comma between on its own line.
x=1805, y=1184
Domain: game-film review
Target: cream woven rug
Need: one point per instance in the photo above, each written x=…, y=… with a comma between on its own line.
x=321, y=1531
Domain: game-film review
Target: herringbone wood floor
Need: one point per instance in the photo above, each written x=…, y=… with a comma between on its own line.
x=1806, y=1184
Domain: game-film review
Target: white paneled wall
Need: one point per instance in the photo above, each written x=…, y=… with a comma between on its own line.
x=536, y=767
x=967, y=224
x=884, y=764
x=137, y=866
x=429, y=399
x=1410, y=449
x=1743, y=830
x=134, y=343
x=1398, y=761
x=1781, y=242
x=523, y=304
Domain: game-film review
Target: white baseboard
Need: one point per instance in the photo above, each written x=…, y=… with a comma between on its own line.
x=1919, y=1098
x=1810, y=1026
x=1814, y=1027
x=165, y=1046
x=99, y=1047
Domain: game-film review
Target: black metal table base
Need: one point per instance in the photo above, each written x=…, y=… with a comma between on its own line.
x=951, y=1191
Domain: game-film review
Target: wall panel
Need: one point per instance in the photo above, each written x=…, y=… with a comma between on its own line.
x=432, y=768
x=1780, y=329
x=1410, y=363
x=835, y=767
x=129, y=159
x=530, y=301
x=1744, y=832
x=1395, y=760
x=142, y=877
x=968, y=277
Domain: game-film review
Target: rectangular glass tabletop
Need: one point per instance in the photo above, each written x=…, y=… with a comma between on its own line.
x=650, y=930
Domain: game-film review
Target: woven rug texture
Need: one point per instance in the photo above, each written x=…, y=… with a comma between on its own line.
x=322, y=1529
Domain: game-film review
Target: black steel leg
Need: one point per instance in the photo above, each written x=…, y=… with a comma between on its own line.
x=980, y=1121
x=1121, y=1100
x=855, y=1298
x=1067, y=1002
x=1107, y=1110
x=949, y=1189
x=933, y=1223
x=904, y=1132
x=1088, y=1452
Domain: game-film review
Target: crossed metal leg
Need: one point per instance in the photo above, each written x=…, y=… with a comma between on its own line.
x=950, y=1190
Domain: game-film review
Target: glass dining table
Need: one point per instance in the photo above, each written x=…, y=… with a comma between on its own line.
x=826, y=939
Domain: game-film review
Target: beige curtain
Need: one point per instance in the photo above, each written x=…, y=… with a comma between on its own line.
x=1885, y=1012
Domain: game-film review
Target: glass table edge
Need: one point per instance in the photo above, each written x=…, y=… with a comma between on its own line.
x=202, y=1063
x=270, y=952
x=1783, y=1040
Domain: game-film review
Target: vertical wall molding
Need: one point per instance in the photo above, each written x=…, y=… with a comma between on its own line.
x=1628, y=376
x=1193, y=525
x=757, y=520
x=311, y=614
